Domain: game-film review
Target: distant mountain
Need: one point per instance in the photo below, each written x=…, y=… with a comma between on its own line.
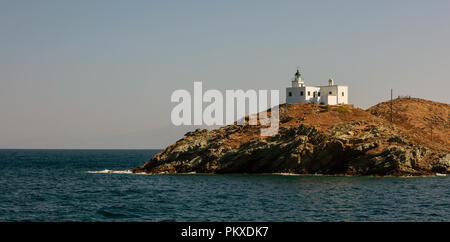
x=152, y=139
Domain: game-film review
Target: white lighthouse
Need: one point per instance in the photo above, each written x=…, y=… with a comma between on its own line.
x=297, y=81
x=328, y=95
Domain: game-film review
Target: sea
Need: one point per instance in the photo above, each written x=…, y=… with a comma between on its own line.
x=97, y=185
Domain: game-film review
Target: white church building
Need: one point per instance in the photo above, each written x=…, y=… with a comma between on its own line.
x=327, y=95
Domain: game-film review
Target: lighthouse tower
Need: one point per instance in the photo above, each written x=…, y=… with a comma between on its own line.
x=298, y=81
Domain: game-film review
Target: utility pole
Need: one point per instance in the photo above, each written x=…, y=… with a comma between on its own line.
x=391, y=105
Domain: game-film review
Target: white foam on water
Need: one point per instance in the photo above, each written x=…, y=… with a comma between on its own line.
x=106, y=171
x=286, y=174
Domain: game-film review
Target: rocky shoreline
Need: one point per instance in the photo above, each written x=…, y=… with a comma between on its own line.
x=312, y=139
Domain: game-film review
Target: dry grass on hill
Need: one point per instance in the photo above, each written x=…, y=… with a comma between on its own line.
x=424, y=122
x=411, y=116
x=323, y=117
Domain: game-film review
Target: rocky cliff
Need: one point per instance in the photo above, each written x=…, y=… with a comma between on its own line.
x=321, y=139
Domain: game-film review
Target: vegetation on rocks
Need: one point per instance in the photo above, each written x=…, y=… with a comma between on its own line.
x=318, y=139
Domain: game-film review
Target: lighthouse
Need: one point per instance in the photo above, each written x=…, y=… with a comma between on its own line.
x=330, y=94
x=298, y=81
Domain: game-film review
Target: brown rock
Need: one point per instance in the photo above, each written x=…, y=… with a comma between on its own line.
x=355, y=142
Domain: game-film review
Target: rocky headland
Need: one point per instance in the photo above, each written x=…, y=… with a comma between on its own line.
x=319, y=139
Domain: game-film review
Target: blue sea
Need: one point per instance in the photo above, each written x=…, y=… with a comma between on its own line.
x=96, y=185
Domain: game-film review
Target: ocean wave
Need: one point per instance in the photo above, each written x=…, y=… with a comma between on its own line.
x=106, y=171
x=110, y=214
x=286, y=174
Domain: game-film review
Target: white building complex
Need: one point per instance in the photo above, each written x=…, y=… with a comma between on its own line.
x=328, y=95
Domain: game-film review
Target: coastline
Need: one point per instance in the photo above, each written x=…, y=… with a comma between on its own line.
x=107, y=171
x=319, y=139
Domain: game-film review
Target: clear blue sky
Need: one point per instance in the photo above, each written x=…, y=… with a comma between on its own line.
x=79, y=74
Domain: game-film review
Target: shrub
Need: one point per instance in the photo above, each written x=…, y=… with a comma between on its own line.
x=341, y=109
x=286, y=119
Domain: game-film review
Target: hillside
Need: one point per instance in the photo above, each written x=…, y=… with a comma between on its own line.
x=320, y=139
x=424, y=122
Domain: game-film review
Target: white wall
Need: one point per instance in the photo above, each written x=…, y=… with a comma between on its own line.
x=311, y=96
x=329, y=100
x=296, y=97
x=343, y=99
x=325, y=97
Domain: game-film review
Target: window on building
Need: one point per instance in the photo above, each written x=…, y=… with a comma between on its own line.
x=318, y=94
x=329, y=93
x=342, y=93
x=290, y=94
x=301, y=93
x=309, y=93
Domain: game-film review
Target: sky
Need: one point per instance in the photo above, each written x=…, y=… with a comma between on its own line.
x=99, y=74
